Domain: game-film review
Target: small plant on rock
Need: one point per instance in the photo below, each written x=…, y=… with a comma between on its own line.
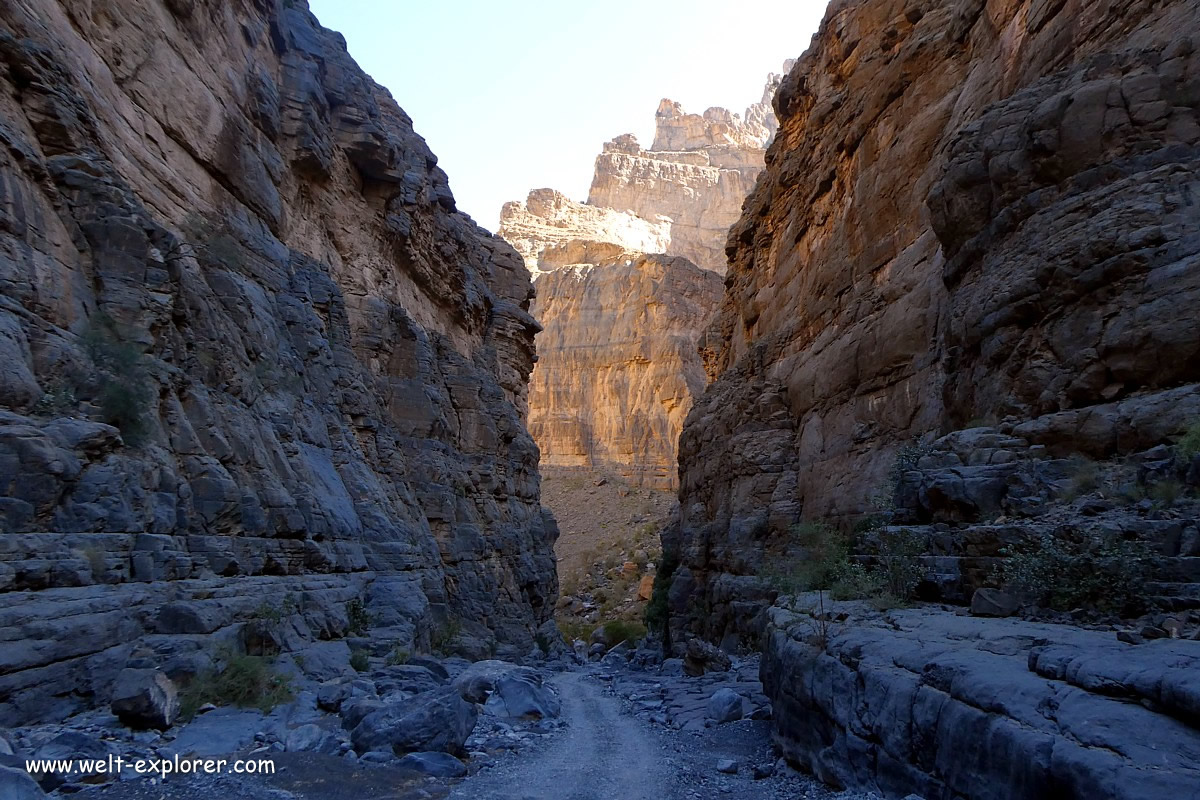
x=442, y=639
x=1085, y=478
x=121, y=382
x=1076, y=570
x=1188, y=446
x=398, y=655
x=239, y=680
x=1166, y=493
x=357, y=618
x=359, y=660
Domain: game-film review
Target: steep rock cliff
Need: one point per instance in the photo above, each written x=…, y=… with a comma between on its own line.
x=249, y=349
x=679, y=197
x=971, y=210
x=617, y=363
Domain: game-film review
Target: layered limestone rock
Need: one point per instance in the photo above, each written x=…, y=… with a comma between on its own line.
x=617, y=363
x=971, y=211
x=928, y=703
x=679, y=197
x=548, y=220
x=251, y=354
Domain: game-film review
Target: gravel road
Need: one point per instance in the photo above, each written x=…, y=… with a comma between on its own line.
x=604, y=753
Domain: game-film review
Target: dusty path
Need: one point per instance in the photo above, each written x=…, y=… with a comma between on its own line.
x=600, y=755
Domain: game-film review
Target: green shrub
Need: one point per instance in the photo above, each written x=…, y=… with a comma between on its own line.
x=442, y=639
x=1188, y=447
x=275, y=614
x=359, y=660
x=620, y=630
x=572, y=629
x=854, y=582
x=657, y=613
x=59, y=399
x=1166, y=493
x=900, y=562
x=1085, y=478
x=122, y=386
x=1081, y=571
x=397, y=656
x=357, y=617
x=243, y=681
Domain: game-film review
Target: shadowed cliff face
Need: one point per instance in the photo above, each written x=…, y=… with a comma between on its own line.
x=617, y=364
x=245, y=338
x=971, y=211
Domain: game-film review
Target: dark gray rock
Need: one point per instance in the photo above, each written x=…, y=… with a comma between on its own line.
x=145, y=698
x=439, y=765
x=524, y=697
x=437, y=720
x=993, y=603
x=311, y=738
x=725, y=705
x=892, y=704
x=478, y=681
x=16, y=784
x=701, y=657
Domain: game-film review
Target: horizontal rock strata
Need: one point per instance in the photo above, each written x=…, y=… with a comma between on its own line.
x=938, y=705
x=617, y=363
x=249, y=350
x=971, y=212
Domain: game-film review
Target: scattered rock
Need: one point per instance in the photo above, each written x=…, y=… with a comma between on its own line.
x=727, y=766
x=725, y=706
x=16, y=784
x=145, y=698
x=439, y=720
x=993, y=603
x=439, y=765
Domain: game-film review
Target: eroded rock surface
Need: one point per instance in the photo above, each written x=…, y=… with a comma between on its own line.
x=971, y=211
x=617, y=363
x=250, y=352
x=925, y=702
x=679, y=197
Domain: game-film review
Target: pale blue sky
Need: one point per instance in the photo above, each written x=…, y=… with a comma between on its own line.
x=514, y=96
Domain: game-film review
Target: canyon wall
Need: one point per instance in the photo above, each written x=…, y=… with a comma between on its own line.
x=973, y=212
x=678, y=198
x=620, y=291
x=251, y=354
x=617, y=363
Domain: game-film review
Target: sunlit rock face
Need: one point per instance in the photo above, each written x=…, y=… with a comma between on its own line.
x=617, y=363
x=248, y=348
x=679, y=197
x=626, y=283
x=970, y=212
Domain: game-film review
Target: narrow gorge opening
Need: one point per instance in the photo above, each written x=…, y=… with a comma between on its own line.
x=847, y=445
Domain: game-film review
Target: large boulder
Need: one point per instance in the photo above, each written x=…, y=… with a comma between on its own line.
x=16, y=784
x=993, y=603
x=523, y=696
x=439, y=720
x=478, y=681
x=725, y=705
x=701, y=657
x=145, y=698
